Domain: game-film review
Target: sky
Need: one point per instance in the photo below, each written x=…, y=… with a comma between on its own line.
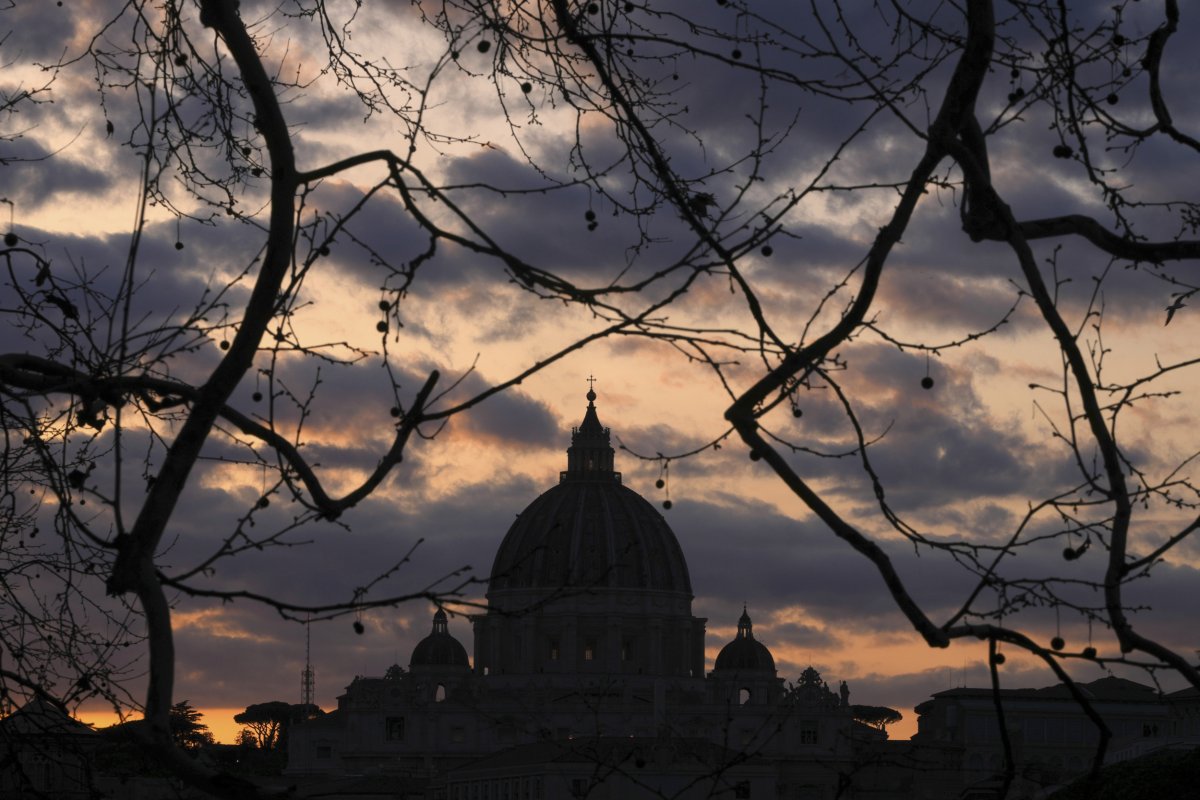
x=961, y=460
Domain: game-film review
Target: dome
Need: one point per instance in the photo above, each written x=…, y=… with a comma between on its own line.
x=745, y=652
x=439, y=648
x=590, y=531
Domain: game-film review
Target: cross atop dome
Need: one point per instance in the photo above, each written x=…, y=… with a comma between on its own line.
x=591, y=423
x=745, y=626
x=590, y=456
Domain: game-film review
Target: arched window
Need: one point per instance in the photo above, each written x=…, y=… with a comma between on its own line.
x=743, y=696
x=439, y=694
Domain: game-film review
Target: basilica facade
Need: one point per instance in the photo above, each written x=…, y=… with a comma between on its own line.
x=589, y=676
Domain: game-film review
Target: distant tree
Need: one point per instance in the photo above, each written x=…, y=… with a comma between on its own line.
x=1166, y=773
x=301, y=712
x=266, y=722
x=876, y=716
x=187, y=729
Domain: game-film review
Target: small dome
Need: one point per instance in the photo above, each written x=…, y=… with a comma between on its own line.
x=439, y=648
x=745, y=652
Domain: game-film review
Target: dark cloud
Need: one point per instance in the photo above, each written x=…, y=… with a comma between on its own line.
x=809, y=637
x=37, y=35
x=382, y=241
x=929, y=447
x=36, y=176
x=542, y=223
x=749, y=553
x=170, y=286
x=379, y=237
x=514, y=418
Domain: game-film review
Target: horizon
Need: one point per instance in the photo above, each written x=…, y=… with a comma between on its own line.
x=717, y=635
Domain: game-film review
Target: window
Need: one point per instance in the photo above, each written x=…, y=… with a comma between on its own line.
x=627, y=649
x=808, y=731
x=579, y=787
x=589, y=650
x=457, y=734
x=324, y=751
x=743, y=696
x=439, y=694
x=742, y=790
x=394, y=729
x=554, y=649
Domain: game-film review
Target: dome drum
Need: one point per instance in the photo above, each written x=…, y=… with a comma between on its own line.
x=603, y=602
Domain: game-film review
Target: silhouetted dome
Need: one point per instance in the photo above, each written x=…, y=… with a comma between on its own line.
x=439, y=648
x=589, y=530
x=745, y=652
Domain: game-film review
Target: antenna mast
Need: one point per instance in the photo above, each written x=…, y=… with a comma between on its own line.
x=307, y=677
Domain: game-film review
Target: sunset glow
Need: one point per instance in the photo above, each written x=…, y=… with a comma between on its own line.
x=520, y=236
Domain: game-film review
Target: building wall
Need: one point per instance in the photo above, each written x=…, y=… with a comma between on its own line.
x=1052, y=739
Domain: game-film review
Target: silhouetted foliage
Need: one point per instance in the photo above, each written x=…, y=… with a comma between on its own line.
x=1170, y=773
x=268, y=722
x=876, y=716
x=187, y=730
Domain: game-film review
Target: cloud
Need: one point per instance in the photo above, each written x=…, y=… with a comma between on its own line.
x=33, y=182
x=751, y=553
x=513, y=418
x=39, y=36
